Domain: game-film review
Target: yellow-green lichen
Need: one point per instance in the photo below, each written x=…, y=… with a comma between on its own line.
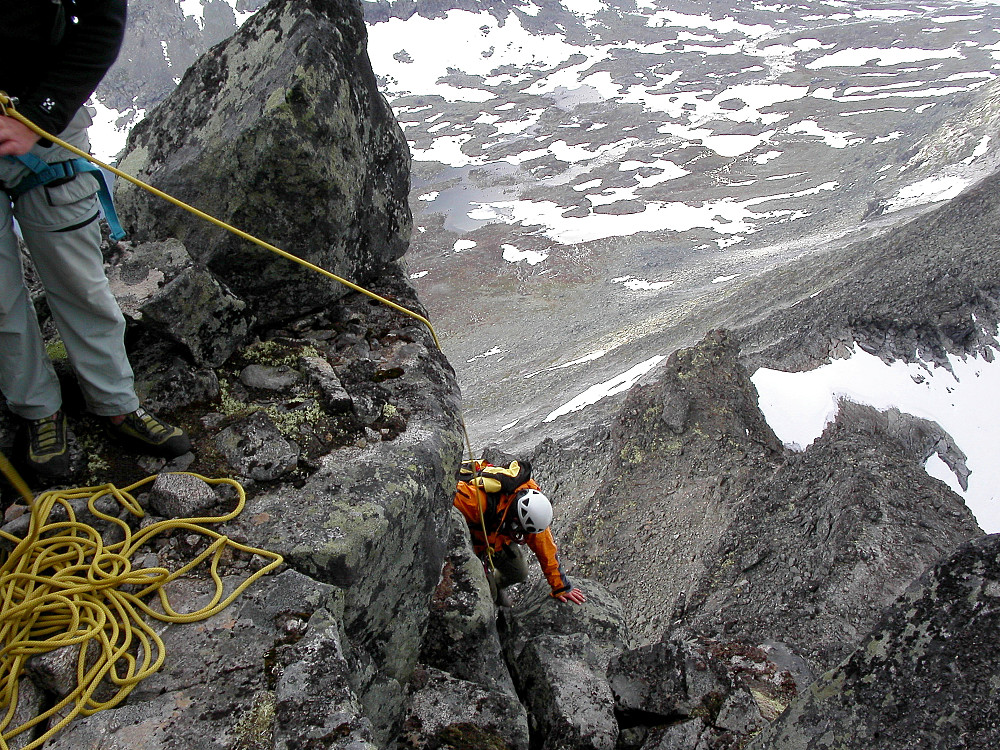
x=254, y=730
x=277, y=354
x=56, y=349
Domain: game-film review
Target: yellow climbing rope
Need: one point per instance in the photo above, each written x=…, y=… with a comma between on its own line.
x=7, y=106
x=62, y=586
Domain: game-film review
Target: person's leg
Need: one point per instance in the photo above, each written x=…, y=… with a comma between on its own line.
x=511, y=566
x=27, y=380
x=60, y=225
x=59, y=222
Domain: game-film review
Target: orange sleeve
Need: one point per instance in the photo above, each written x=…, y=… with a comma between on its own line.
x=544, y=547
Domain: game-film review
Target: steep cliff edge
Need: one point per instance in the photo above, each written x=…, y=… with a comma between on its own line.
x=339, y=415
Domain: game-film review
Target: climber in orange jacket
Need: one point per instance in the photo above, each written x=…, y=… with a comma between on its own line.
x=509, y=505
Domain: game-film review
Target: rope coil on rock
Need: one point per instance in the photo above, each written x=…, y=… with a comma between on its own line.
x=63, y=585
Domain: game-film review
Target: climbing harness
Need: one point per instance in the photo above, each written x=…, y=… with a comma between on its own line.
x=62, y=585
x=43, y=173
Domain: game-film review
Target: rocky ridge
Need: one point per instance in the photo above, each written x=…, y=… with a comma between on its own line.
x=723, y=572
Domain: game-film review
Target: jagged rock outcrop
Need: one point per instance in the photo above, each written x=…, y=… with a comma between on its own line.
x=324, y=652
x=282, y=132
x=930, y=287
x=559, y=654
x=696, y=515
x=925, y=677
x=688, y=691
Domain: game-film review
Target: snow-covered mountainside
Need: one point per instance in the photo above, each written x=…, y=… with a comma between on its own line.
x=588, y=184
x=584, y=178
x=592, y=178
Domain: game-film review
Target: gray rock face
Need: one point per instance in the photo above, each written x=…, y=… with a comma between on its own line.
x=461, y=636
x=255, y=448
x=189, y=704
x=290, y=100
x=446, y=711
x=825, y=542
x=719, y=693
x=925, y=676
x=160, y=287
x=559, y=654
x=698, y=516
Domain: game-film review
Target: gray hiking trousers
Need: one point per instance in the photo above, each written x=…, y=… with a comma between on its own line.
x=511, y=567
x=60, y=228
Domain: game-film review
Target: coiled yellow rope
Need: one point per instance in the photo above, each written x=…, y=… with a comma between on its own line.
x=63, y=585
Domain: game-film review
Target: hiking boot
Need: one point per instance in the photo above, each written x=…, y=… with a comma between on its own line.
x=151, y=434
x=48, y=447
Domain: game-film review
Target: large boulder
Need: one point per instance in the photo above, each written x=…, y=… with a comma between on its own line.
x=280, y=131
x=924, y=677
x=559, y=654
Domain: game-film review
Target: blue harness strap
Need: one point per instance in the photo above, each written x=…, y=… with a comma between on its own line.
x=42, y=173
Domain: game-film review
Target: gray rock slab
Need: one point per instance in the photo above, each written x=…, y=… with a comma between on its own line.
x=255, y=448
x=443, y=710
x=372, y=521
x=461, y=636
x=214, y=689
x=924, y=677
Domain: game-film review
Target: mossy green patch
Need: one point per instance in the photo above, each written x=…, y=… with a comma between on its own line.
x=254, y=730
x=56, y=349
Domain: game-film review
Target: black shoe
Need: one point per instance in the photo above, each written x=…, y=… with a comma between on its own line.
x=151, y=434
x=48, y=447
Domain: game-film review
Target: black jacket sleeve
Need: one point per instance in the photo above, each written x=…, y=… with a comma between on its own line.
x=76, y=64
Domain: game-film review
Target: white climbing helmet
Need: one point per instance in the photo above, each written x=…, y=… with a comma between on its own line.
x=534, y=511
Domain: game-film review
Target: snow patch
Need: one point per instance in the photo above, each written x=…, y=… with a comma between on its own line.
x=596, y=393
x=798, y=406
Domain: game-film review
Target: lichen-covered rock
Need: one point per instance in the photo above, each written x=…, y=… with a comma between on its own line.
x=255, y=448
x=925, y=677
x=559, y=654
x=160, y=287
x=175, y=495
x=216, y=691
x=443, y=710
x=314, y=705
x=281, y=131
x=461, y=636
x=723, y=692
